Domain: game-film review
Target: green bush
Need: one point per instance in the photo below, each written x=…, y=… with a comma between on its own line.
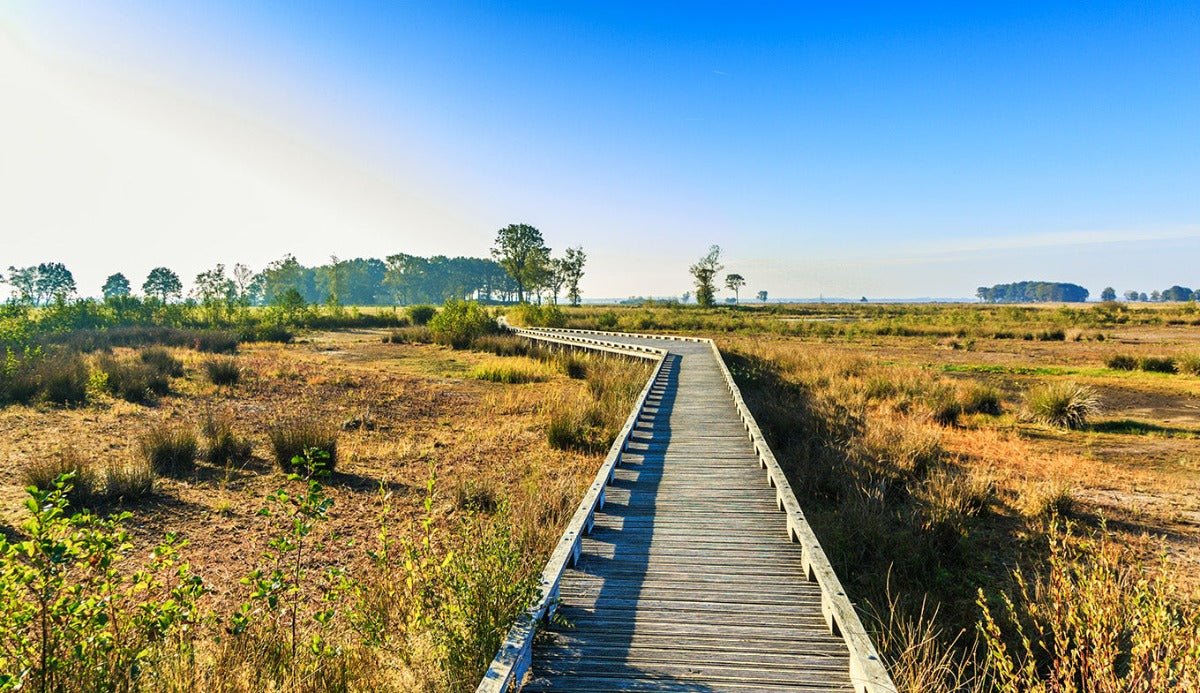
x=537, y=316
x=132, y=380
x=1122, y=362
x=1188, y=363
x=223, y=371
x=215, y=341
x=421, y=315
x=75, y=618
x=294, y=438
x=1157, y=364
x=460, y=323
x=170, y=449
x=1062, y=404
x=162, y=361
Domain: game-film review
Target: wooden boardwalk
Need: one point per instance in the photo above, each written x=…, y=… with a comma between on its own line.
x=689, y=579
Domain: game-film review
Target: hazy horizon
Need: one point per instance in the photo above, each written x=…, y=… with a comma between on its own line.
x=850, y=150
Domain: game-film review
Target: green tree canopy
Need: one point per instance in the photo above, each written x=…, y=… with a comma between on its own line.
x=521, y=251
x=116, y=286
x=162, y=284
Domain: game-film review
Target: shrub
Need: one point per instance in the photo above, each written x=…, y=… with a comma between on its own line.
x=215, y=341
x=1157, y=364
x=1121, y=362
x=1095, y=616
x=162, y=361
x=421, y=315
x=982, y=399
x=45, y=472
x=76, y=617
x=62, y=378
x=129, y=480
x=1062, y=404
x=460, y=323
x=170, y=449
x=537, y=316
x=290, y=439
x=1188, y=363
x=269, y=333
x=1052, y=336
x=222, y=446
x=132, y=380
x=18, y=381
x=223, y=371
x=577, y=426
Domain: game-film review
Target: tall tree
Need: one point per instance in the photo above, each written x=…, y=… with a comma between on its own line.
x=1109, y=294
x=556, y=276
x=23, y=281
x=572, y=264
x=735, y=282
x=704, y=272
x=243, y=282
x=215, y=291
x=162, y=284
x=116, y=286
x=762, y=296
x=53, y=282
x=521, y=251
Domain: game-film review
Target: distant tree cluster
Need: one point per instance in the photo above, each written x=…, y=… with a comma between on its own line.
x=1173, y=293
x=522, y=268
x=522, y=252
x=704, y=275
x=1033, y=292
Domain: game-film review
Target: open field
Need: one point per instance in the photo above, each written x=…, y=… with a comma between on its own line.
x=913, y=442
x=433, y=459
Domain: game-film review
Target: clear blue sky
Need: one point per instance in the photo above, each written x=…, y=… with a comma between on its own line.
x=835, y=148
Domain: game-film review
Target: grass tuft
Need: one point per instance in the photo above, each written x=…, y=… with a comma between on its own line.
x=129, y=481
x=44, y=472
x=222, y=446
x=161, y=360
x=170, y=449
x=223, y=371
x=1122, y=362
x=291, y=438
x=1062, y=404
x=982, y=399
x=132, y=380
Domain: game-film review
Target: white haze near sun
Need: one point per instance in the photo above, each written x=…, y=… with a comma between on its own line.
x=107, y=171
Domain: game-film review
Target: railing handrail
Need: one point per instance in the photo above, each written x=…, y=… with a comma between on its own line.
x=514, y=656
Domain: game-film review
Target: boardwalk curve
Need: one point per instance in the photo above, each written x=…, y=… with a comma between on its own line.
x=678, y=571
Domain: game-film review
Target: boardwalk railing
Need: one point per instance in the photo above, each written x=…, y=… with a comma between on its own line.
x=512, y=661
x=867, y=671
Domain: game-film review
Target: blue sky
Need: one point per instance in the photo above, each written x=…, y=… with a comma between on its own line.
x=830, y=148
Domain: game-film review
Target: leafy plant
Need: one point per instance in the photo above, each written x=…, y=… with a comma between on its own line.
x=75, y=619
x=460, y=323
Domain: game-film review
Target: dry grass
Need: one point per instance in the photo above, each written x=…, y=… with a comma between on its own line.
x=170, y=449
x=486, y=441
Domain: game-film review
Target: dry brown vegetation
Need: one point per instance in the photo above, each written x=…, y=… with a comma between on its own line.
x=434, y=460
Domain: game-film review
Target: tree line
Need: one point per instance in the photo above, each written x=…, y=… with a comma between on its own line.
x=1033, y=292
x=1172, y=293
x=521, y=267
